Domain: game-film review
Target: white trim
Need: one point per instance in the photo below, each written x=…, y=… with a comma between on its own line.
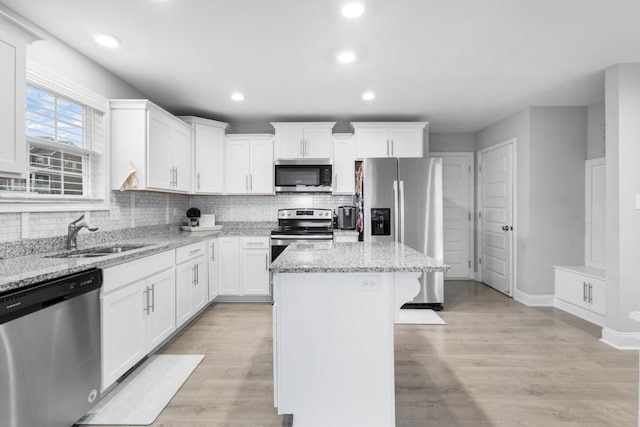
x=580, y=312
x=472, y=209
x=357, y=125
x=514, y=197
x=621, y=340
x=534, y=300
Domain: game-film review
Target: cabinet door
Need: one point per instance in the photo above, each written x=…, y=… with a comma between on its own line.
x=572, y=288
x=209, y=159
x=13, y=152
x=123, y=331
x=317, y=143
x=344, y=166
x=261, y=174
x=289, y=143
x=159, y=168
x=213, y=269
x=237, y=167
x=185, y=276
x=255, y=272
x=199, y=290
x=406, y=142
x=598, y=296
x=161, y=320
x=372, y=142
x=228, y=266
x=181, y=155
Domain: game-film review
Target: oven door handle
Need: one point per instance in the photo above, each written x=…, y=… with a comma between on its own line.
x=297, y=238
x=285, y=242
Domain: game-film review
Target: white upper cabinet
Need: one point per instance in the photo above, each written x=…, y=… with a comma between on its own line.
x=344, y=156
x=249, y=164
x=391, y=139
x=157, y=144
x=303, y=140
x=208, y=155
x=13, y=154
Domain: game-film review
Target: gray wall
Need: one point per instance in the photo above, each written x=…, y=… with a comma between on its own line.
x=452, y=142
x=596, y=146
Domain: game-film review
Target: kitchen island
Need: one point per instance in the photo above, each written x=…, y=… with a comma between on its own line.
x=333, y=324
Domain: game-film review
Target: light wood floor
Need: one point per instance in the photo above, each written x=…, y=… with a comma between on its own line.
x=496, y=363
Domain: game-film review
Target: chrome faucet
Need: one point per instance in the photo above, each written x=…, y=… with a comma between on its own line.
x=74, y=228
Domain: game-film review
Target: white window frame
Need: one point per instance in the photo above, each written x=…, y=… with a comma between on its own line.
x=48, y=80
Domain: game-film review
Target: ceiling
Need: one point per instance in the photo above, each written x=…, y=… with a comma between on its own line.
x=459, y=64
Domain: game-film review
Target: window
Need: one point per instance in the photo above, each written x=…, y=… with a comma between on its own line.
x=65, y=144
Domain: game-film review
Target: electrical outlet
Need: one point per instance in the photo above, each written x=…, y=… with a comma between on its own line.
x=368, y=283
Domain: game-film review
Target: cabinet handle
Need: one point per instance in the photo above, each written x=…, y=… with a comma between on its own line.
x=170, y=176
x=153, y=298
x=198, y=180
x=213, y=252
x=195, y=251
x=387, y=147
x=300, y=146
x=146, y=300
x=246, y=183
x=392, y=148
x=590, y=293
x=250, y=182
x=176, y=176
x=584, y=291
x=306, y=148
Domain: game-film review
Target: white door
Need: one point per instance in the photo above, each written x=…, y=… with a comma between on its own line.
x=161, y=320
x=372, y=142
x=317, y=143
x=199, y=290
x=185, y=277
x=261, y=167
x=181, y=155
x=458, y=201
x=344, y=165
x=289, y=144
x=237, y=167
x=255, y=272
x=496, y=216
x=406, y=142
x=209, y=159
x=228, y=266
x=159, y=170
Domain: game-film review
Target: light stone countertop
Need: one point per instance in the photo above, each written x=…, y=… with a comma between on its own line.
x=354, y=257
x=26, y=270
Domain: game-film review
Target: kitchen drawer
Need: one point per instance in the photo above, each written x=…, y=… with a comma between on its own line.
x=122, y=274
x=254, y=242
x=191, y=251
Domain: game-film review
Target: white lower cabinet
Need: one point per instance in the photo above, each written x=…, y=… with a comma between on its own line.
x=243, y=267
x=191, y=281
x=581, y=291
x=137, y=312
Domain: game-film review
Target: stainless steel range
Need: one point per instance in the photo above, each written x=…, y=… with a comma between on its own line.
x=301, y=226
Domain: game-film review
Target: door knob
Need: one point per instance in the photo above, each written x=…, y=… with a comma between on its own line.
x=505, y=228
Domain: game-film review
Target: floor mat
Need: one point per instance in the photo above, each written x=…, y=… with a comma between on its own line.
x=139, y=399
x=410, y=316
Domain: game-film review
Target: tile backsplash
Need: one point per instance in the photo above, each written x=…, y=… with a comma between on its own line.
x=263, y=208
x=133, y=209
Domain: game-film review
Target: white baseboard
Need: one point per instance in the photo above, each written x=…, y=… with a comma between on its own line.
x=534, y=300
x=580, y=312
x=621, y=340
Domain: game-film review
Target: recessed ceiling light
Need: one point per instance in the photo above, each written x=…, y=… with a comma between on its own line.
x=107, y=40
x=346, y=57
x=353, y=10
x=237, y=96
x=368, y=96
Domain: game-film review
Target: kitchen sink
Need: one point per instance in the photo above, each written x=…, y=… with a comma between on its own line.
x=97, y=252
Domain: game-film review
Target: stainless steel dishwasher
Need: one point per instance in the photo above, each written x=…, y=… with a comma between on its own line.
x=50, y=351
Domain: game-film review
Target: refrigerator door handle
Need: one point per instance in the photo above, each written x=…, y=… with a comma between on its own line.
x=401, y=213
x=396, y=225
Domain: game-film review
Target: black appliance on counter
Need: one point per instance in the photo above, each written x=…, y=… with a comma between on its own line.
x=304, y=225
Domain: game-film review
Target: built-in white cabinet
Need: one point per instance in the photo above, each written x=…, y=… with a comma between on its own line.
x=595, y=213
x=208, y=138
x=156, y=143
x=344, y=157
x=243, y=266
x=137, y=312
x=191, y=281
x=581, y=291
x=13, y=152
x=249, y=164
x=389, y=139
x=213, y=268
x=296, y=140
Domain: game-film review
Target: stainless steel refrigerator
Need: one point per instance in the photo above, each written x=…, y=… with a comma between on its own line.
x=403, y=202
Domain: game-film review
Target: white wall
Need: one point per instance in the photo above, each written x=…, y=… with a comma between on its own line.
x=452, y=142
x=596, y=145
x=622, y=83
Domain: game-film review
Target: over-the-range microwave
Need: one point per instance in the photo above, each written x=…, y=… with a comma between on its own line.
x=303, y=176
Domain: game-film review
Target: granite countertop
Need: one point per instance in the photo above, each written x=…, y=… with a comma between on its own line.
x=22, y=271
x=354, y=257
